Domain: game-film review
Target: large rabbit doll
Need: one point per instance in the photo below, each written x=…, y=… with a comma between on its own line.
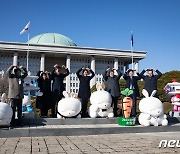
x=100, y=103
x=5, y=112
x=152, y=111
x=70, y=106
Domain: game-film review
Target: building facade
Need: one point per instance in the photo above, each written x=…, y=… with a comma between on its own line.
x=48, y=49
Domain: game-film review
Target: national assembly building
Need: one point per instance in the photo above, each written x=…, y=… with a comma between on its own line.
x=48, y=49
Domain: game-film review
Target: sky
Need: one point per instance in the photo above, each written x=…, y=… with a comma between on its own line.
x=102, y=24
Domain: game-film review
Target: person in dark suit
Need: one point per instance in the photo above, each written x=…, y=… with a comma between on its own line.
x=16, y=77
x=57, y=76
x=113, y=86
x=43, y=102
x=84, y=88
x=150, y=80
x=131, y=83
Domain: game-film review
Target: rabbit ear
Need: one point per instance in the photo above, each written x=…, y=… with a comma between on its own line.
x=98, y=86
x=3, y=97
x=65, y=93
x=103, y=85
x=73, y=95
x=145, y=93
x=153, y=93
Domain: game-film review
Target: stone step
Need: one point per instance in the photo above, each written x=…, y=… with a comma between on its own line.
x=68, y=121
x=79, y=130
x=79, y=121
x=76, y=127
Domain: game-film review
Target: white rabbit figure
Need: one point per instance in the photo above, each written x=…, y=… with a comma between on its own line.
x=5, y=111
x=152, y=111
x=100, y=103
x=70, y=106
x=30, y=86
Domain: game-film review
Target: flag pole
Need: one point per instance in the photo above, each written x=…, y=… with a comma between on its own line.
x=132, y=60
x=27, y=56
x=26, y=28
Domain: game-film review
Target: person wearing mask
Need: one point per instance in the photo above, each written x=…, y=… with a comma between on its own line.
x=113, y=87
x=16, y=77
x=43, y=102
x=150, y=80
x=131, y=83
x=57, y=76
x=84, y=88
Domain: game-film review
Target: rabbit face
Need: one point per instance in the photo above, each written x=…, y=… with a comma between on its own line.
x=69, y=107
x=102, y=99
x=30, y=83
x=104, y=105
x=152, y=106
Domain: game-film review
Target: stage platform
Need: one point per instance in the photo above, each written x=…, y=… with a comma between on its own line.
x=77, y=127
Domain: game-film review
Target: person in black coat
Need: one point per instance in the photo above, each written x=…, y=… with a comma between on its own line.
x=84, y=88
x=57, y=76
x=43, y=102
x=113, y=86
x=150, y=80
x=131, y=83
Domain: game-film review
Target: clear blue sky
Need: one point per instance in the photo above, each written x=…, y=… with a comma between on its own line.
x=102, y=24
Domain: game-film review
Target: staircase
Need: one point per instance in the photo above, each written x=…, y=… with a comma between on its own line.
x=81, y=126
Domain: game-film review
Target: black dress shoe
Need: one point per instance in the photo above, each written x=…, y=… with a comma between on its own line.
x=19, y=123
x=12, y=125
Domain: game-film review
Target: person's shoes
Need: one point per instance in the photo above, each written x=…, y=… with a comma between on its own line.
x=12, y=125
x=20, y=124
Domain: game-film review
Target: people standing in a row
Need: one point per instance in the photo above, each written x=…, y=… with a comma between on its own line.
x=150, y=80
x=16, y=77
x=113, y=86
x=43, y=102
x=84, y=88
x=57, y=76
x=131, y=83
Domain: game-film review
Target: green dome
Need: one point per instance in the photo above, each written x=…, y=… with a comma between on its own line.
x=52, y=38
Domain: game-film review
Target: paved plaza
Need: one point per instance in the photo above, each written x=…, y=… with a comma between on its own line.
x=93, y=144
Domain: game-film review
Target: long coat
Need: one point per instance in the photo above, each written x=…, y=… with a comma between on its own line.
x=58, y=85
x=84, y=87
x=150, y=82
x=45, y=88
x=16, y=89
x=113, y=83
x=134, y=83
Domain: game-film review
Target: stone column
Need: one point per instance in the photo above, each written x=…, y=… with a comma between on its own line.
x=68, y=65
x=126, y=67
x=137, y=66
x=116, y=65
x=93, y=80
x=15, y=59
x=42, y=63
